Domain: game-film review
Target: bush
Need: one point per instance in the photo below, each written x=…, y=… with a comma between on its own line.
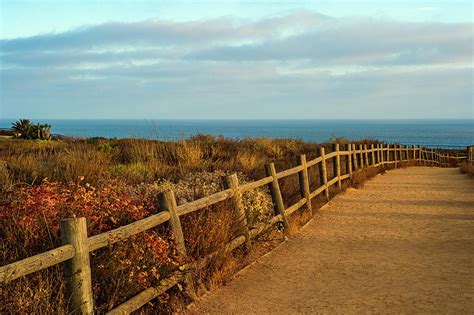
x=29, y=224
x=467, y=167
x=116, y=182
x=24, y=129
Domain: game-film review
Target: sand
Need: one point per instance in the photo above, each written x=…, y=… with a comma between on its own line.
x=404, y=243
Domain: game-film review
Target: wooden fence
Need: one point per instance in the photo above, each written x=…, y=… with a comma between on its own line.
x=77, y=246
x=470, y=154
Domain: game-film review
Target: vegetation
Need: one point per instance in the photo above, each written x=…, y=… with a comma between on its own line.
x=24, y=129
x=116, y=182
x=466, y=167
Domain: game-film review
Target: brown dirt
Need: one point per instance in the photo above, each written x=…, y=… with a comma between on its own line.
x=402, y=244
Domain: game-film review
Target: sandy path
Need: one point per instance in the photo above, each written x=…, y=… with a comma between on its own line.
x=402, y=244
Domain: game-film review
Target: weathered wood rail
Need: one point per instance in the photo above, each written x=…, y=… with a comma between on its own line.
x=74, y=252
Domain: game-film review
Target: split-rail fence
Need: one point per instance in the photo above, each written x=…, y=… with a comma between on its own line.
x=77, y=245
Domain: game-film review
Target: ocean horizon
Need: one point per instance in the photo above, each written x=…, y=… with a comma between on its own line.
x=428, y=132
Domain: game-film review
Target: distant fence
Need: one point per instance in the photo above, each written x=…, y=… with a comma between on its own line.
x=470, y=154
x=77, y=246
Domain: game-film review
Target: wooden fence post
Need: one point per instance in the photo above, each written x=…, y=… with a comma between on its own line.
x=366, y=154
x=381, y=153
x=382, y=157
x=232, y=182
x=323, y=174
x=372, y=152
x=419, y=154
x=304, y=181
x=276, y=196
x=361, y=156
x=167, y=201
x=395, y=155
x=78, y=268
x=400, y=148
x=349, y=159
x=432, y=157
x=336, y=164
x=387, y=153
x=406, y=153
x=377, y=154
x=354, y=157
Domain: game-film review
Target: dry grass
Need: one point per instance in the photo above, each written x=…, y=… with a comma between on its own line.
x=132, y=172
x=467, y=167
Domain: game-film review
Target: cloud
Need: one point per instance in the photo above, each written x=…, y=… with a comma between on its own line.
x=360, y=41
x=238, y=68
x=297, y=36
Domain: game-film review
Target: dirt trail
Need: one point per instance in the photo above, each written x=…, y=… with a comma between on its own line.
x=402, y=244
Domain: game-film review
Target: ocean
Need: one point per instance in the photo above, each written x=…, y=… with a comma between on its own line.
x=424, y=132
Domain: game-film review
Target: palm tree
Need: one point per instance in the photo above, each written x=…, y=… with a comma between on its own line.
x=23, y=128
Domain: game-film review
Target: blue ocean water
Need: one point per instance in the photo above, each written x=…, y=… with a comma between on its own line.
x=424, y=132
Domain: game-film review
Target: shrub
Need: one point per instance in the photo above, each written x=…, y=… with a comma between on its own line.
x=24, y=129
x=29, y=224
x=467, y=167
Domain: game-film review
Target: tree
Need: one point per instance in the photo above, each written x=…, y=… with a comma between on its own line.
x=24, y=129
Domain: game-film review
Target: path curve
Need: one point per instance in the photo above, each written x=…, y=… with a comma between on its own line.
x=402, y=244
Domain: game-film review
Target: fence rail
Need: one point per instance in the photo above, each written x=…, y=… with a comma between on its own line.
x=77, y=245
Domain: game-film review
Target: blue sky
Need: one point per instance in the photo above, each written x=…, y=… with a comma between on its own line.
x=236, y=59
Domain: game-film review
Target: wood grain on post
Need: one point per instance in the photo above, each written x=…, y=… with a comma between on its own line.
x=304, y=181
x=361, y=156
x=276, y=196
x=167, y=201
x=419, y=154
x=323, y=172
x=381, y=152
x=372, y=152
x=349, y=159
x=336, y=163
x=380, y=156
x=334, y=160
x=388, y=153
x=354, y=158
x=377, y=154
x=232, y=182
x=367, y=163
x=77, y=269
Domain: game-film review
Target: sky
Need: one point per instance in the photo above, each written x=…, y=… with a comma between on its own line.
x=236, y=59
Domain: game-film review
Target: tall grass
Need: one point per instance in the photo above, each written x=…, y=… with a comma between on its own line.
x=115, y=182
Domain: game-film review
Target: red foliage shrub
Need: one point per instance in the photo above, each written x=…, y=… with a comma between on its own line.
x=29, y=224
